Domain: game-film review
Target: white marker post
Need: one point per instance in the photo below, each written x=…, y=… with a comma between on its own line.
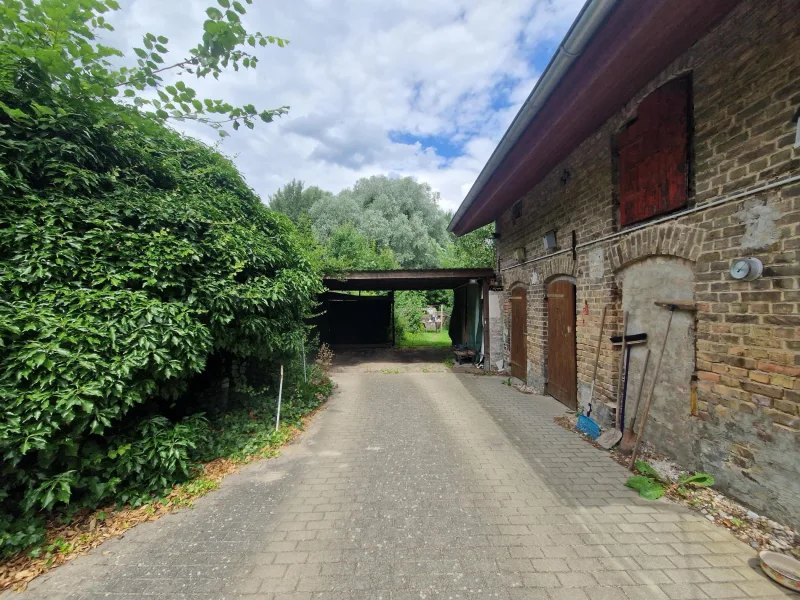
x=304, y=362
x=280, y=392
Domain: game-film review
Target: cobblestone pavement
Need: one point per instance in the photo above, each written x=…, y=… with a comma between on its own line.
x=421, y=486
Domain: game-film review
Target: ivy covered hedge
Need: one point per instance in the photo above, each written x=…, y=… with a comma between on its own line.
x=129, y=255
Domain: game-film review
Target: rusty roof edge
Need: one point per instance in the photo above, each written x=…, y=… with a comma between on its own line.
x=586, y=24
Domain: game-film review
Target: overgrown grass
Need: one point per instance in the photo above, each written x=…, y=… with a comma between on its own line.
x=439, y=339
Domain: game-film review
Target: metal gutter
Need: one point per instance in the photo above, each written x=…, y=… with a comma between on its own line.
x=588, y=21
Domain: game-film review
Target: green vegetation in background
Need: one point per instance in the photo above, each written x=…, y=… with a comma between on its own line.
x=294, y=201
x=409, y=308
x=383, y=223
x=347, y=249
x=474, y=249
x=131, y=260
x=425, y=338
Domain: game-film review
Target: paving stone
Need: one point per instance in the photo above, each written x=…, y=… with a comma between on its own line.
x=422, y=485
x=682, y=591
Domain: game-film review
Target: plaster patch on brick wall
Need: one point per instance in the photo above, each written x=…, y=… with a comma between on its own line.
x=597, y=263
x=759, y=220
x=534, y=277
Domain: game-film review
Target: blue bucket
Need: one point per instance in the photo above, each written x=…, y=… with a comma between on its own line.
x=588, y=426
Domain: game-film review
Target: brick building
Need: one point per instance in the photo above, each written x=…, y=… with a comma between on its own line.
x=657, y=150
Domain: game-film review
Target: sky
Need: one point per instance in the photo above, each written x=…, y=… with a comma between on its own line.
x=419, y=88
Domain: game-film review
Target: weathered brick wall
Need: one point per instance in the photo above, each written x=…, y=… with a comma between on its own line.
x=746, y=425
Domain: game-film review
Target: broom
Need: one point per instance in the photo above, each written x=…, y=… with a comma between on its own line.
x=585, y=423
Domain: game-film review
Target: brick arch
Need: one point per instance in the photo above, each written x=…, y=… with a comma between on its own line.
x=558, y=265
x=670, y=239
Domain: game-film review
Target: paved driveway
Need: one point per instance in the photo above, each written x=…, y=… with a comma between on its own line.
x=423, y=485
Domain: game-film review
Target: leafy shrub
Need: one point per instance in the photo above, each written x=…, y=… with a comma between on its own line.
x=409, y=308
x=150, y=460
x=647, y=487
x=652, y=486
x=129, y=255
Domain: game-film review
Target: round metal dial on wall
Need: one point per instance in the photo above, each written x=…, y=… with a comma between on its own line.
x=746, y=269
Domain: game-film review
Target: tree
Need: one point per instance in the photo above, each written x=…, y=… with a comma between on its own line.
x=293, y=201
x=474, y=249
x=130, y=257
x=59, y=37
x=349, y=250
x=401, y=214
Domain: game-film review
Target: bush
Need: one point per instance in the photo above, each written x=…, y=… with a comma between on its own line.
x=409, y=308
x=129, y=256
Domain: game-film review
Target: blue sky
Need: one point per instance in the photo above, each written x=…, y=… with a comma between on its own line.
x=422, y=88
x=451, y=146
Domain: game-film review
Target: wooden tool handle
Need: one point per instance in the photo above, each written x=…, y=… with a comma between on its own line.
x=599, y=343
x=641, y=388
x=650, y=395
x=621, y=367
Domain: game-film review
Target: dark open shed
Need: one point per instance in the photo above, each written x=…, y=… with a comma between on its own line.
x=350, y=319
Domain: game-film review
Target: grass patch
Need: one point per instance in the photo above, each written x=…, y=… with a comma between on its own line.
x=437, y=339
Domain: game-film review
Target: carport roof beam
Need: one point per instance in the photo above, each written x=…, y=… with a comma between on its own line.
x=406, y=279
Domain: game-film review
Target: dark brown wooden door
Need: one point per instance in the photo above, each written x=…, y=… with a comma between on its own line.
x=561, y=358
x=519, y=333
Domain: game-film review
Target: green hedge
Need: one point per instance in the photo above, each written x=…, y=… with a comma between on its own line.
x=129, y=254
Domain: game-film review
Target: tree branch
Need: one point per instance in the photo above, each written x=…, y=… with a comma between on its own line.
x=189, y=61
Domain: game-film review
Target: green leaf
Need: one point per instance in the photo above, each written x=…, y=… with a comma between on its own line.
x=654, y=491
x=647, y=487
x=213, y=13
x=646, y=469
x=697, y=480
x=239, y=8
x=224, y=3
x=140, y=53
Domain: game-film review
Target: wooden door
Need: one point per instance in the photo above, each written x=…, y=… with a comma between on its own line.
x=561, y=356
x=519, y=333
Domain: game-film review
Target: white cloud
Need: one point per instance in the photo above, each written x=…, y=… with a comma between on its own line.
x=357, y=70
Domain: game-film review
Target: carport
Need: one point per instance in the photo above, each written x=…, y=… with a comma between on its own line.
x=350, y=319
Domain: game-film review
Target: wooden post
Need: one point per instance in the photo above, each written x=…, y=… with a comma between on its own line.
x=487, y=363
x=391, y=295
x=278, y=412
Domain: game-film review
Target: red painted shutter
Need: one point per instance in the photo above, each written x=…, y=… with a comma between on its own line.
x=653, y=155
